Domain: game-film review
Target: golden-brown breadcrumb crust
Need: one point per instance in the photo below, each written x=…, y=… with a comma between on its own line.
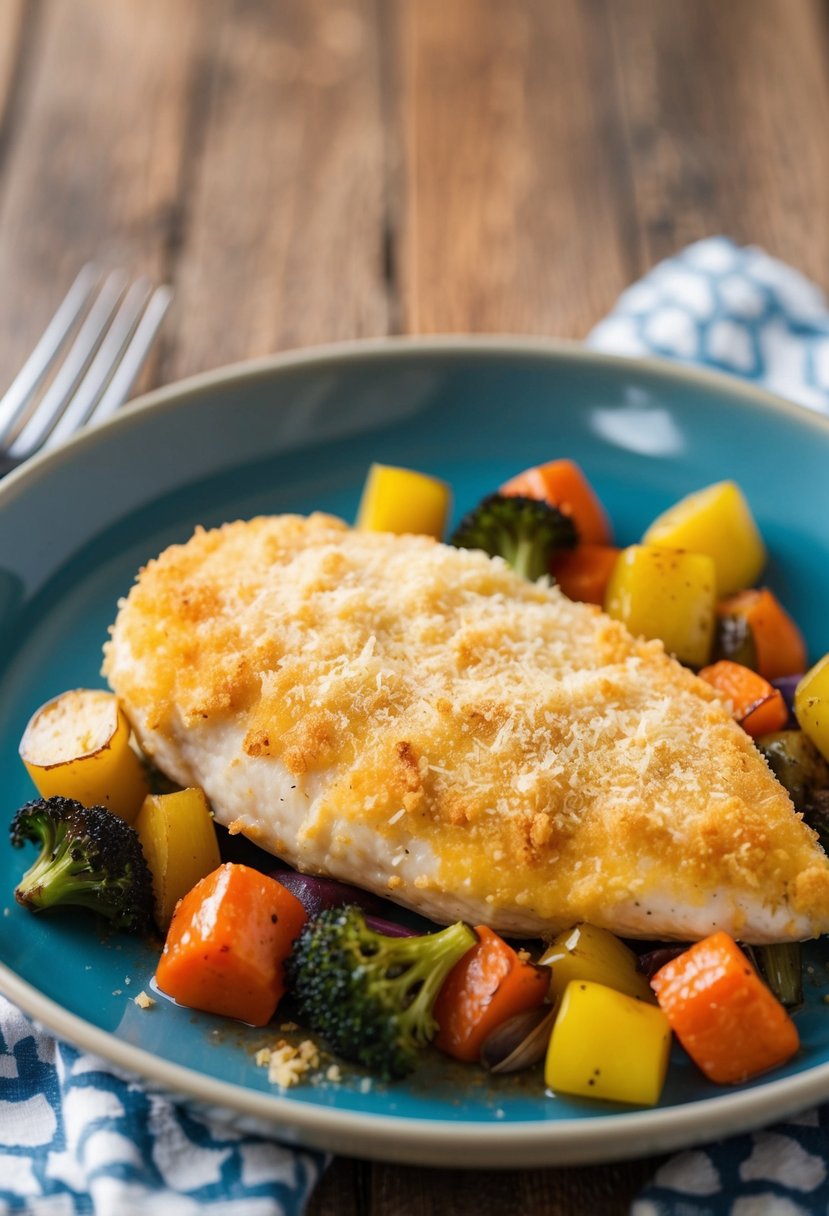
x=551, y=760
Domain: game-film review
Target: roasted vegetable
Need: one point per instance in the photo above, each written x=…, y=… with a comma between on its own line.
x=811, y=705
x=772, y=641
x=78, y=746
x=317, y=892
x=796, y=763
x=816, y=814
x=488, y=985
x=729, y=1022
x=780, y=964
x=584, y=572
x=89, y=858
x=734, y=640
x=227, y=944
x=525, y=532
x=754, y=702
x=666, y=594
x=562, y=484
x=588, y=953
x=369, y=995
x=401, y=500
x=608, y=1045
x=716, y=520
x=179, y=842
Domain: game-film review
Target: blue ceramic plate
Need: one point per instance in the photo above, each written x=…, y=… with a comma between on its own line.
x=295, y=434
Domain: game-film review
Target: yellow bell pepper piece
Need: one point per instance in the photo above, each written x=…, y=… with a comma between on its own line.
x=718, y=521
x=179, y=842
x=811, y=705
x=78, y=746
x=608, y=1045
x=403, y=501
x=589, y=953
x=667, y=594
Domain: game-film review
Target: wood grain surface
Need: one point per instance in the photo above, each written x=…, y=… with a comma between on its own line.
x=313, y=170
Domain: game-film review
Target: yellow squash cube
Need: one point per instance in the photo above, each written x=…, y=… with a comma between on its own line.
x=718, y=521
x=811, y=705
x=403, y=501
x=589, y=953
x=667, y=594
x=78, y=746
x=608, y=1045
x=179, y=842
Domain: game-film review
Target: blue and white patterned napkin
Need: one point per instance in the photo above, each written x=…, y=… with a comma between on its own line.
x=730, y=308
x=740, y=311
x=74, y=1138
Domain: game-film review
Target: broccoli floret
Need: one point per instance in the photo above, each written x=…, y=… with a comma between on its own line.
x=526, y=532
x=371, y=996
x=88, y=857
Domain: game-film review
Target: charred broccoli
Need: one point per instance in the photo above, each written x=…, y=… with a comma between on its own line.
x=89, y=857
x=371, y=996
x=526, y=532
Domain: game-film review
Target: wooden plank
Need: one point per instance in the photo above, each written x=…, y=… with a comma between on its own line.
x=283, y=243
x=92, y=165
x=342, y=1189
x=405, y=1191
x=517, y=199
x=12, y=17
x=727, y=109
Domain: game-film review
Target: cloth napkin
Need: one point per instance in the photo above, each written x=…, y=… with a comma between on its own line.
x=740, y=311
x=75, y=1138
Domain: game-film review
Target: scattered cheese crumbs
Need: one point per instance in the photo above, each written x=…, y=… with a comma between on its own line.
x=524, y=956
x=287, y=1064
x=128, y=980
x=287, y=1027
x=143, y=1000
x=117, y=991
x=332, y=1073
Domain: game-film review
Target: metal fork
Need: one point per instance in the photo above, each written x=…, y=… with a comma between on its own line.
x=114, y=326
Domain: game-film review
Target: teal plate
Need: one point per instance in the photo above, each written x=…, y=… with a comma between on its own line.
x=297, y=433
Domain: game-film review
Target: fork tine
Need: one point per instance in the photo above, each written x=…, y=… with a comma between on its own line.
x=20, y=391
x=127, y=372
x=56, y=397
x=103, y=365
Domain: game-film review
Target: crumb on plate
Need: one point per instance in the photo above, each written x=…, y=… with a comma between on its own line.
x=143, y=1000
x=288, y=1063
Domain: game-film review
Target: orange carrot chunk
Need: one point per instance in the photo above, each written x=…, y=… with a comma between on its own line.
x=729, y=1022
x=584, y=572
x=778, y=642
x=227, y=942
x=562, y=484
x=756, y=705
x=487, y=986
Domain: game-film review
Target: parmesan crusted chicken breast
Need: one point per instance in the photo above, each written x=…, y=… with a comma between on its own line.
x=420, y=721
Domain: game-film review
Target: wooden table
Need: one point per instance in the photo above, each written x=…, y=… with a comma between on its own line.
x=306, y=171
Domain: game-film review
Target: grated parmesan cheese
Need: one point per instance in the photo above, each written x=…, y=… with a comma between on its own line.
x=551, y=767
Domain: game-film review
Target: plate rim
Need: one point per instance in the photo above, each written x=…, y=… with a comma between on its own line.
x=429, y=1141
x=407, y=1139
x=399, y=346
